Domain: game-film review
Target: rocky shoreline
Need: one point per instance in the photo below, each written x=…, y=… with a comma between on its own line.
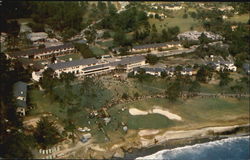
x=141, y=145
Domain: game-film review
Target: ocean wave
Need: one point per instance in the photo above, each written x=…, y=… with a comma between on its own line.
x=219, y=148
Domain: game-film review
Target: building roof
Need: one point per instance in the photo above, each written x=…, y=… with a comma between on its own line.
x=156, y=45
x=150, y=69
x=20, y=90
x=170, y=69
x=68, y=64
x=34, y=36
x=40, y=51
x=95, y=67
x=128, y=60
x=28, y=62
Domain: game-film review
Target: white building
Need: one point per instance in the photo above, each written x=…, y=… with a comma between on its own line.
x=194, y=36
x=187, y=71
x=229, y=66
x=151, y=71
x=92, y=66
x=37, y=37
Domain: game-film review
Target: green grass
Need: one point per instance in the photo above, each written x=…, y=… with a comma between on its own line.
x=240, y=18
x=106, y=43
x=193, y=111
x=97, y=51
x=47, y=104
x=184, y=24
x=151, y=121
x=74, y=56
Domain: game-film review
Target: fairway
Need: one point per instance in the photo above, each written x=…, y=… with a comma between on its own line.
x=196, y=111
x=239, y=18
x=184, y=23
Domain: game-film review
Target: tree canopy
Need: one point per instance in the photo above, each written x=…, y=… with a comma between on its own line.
x=46, y=133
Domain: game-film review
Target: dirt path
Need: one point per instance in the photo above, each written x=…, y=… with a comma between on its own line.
x=68, y=151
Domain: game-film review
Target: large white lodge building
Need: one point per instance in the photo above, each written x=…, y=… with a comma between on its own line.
x=93, y=66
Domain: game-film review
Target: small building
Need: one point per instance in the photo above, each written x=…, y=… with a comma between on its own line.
x=187, y=71
x=222, y=65
x=45, y=53
x=129, y=63
x=228, y=65
x=20, y=95
x=151, y=71
x=155, y=46
x=194, y=36
x=37, y=37
x=170, y=71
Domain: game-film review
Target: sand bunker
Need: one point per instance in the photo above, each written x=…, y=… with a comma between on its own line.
x=167, y=114
x=148, y=132
x=135, y=111
x=157, y=110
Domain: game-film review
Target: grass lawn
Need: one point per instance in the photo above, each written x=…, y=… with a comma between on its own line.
x=74, y=56
x=106, y=43
x=75, y=110
x=183, y=23
x=97, y=51
x=240, y=18
x=193, y=111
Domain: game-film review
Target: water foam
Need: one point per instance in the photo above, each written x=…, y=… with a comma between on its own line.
x=194, y=149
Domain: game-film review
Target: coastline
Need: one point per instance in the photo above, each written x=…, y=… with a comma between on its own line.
x=175, y=144
x=232, y=131
x=140, y=145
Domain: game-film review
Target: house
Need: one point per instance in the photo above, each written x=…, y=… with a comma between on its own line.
x=151, y=71
x=246, y=68
x=222, y=65
x=128, y=63
x=45, y=53
x=194, y=36
x=37, y=37
x=234, y=27
x=228, y=65
x=155, y=46
x=20, y=95
x=170, y=71
x=187, y=71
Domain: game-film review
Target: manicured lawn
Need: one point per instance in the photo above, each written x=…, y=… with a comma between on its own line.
x=106, y=43
x=193, y=111
x=240, y=18
x=74, y=56
x=151, y=121
x=76, y=110
x=97, y=51
x=183, y=23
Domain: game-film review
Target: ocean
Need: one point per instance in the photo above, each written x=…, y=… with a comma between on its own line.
x=235, y=148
